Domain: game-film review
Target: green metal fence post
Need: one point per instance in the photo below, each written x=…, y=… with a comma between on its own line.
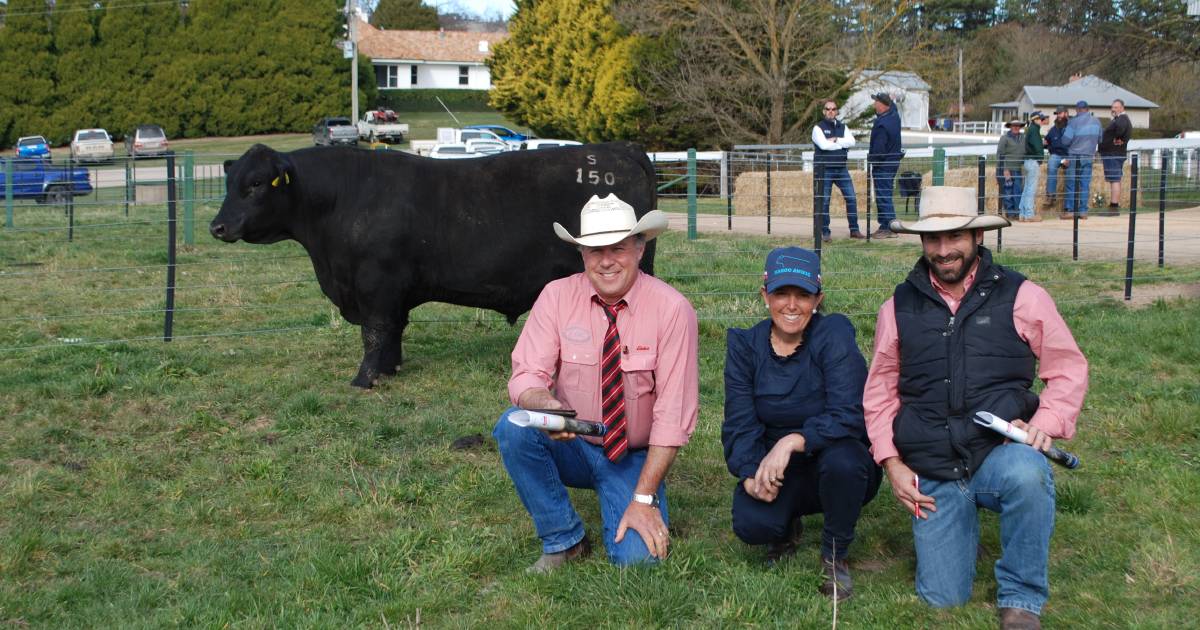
x=939, y=166
x=8, y=193
x=691, y=192
x=189, y=198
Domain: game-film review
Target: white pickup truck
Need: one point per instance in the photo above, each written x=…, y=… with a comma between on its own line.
x=380, y=125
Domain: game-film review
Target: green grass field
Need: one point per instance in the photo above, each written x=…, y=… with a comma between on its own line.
x=235, y=479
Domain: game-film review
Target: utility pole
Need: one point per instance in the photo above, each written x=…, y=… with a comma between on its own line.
x=960, y=88
x=352, y=47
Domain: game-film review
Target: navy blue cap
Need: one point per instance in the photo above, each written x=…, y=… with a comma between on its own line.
x=1081, y=105
x=792, y=267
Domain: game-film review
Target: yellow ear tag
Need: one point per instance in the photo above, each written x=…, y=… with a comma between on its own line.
x=275, y=183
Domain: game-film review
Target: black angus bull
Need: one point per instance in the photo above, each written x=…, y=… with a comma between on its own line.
x=388, y=231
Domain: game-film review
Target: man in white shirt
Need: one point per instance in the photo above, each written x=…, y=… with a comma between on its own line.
x=833, y=141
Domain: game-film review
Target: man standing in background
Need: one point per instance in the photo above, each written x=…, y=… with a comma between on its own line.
x=1058, y=154
x=884, y=157
x=1034, y=152
x=1010, y=153
x=833, y=141
x=1113, y=146
x=1081, y=137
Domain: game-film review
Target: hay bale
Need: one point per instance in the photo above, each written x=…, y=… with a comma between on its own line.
x=791, y=193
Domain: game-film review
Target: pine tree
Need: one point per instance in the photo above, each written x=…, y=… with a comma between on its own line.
x=26, y=71
x=408, y=15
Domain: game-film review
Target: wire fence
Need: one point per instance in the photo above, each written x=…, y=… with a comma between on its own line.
x=128, y=260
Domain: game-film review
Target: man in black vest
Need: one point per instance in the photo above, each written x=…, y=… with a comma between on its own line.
x=833, y=140
x=962, y=334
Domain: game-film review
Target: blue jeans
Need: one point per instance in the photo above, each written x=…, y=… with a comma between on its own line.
x=1015, y=481
x=1030, y=171
x=837, y=481
x=884, y=177
x=1010, y=190
x=1079, y=181
x=541, y=469
x=1052, y=162
x=840, y=176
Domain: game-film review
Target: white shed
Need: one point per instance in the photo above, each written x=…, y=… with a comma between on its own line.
x=907, y=89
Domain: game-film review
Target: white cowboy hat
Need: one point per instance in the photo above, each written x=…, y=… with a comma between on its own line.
x=609, y=220
x=947, y=209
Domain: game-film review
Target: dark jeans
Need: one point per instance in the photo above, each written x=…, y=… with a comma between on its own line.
x=1010, y=191
x=884, y=176
x=841, y=177
x=837, y=481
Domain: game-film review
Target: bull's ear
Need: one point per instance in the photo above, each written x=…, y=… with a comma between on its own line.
x=284, y=170
x=228, y=163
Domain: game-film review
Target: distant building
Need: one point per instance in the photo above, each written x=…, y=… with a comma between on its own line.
x=408, y=60
x=1098, y=93
x=907, y=89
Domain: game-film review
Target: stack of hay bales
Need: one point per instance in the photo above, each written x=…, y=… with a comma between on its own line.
x=791, y=194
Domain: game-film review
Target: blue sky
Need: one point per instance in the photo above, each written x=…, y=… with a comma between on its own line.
x=479, y=7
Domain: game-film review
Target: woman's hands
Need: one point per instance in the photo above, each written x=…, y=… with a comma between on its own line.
x=767, y=480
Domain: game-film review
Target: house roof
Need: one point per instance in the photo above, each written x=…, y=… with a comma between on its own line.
x=1096, y=91
x=898, y=78
x=450, y=46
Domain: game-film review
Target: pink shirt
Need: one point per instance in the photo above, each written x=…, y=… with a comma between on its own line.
x=1061, y=366
x=559, y=348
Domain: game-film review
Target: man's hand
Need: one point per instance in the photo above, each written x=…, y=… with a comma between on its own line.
x=769, y=476
x=1037, y=438
x=903, y=479
x=541, y=398
x=647, y=521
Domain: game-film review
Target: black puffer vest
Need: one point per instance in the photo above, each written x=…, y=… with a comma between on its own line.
x=954, y=365
x=832, y=129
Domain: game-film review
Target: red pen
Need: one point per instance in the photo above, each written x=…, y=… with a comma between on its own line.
x=916, y=506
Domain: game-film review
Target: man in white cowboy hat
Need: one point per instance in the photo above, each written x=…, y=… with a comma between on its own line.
x=619, y=347
x=962, y=334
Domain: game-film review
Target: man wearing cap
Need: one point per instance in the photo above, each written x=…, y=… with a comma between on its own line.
x=962, y=334
x=1081, y=137
x=1035, y=149
x=833, y=141
x=1058, y=154
x=1010, y=153
x=884, y=157
x=1113, y=146
x=619, y=347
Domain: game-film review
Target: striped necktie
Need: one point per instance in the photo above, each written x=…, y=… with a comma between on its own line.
x=612, y=387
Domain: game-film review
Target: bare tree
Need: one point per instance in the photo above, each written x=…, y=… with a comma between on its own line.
x=755, y=70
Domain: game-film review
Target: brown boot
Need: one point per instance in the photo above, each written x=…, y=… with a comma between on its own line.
x=551, y=561
x=1017, y=619
x=835, y=579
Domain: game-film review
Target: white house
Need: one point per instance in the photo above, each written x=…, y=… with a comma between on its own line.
x=1098, y=93
x=407, y=60
x=907, y=89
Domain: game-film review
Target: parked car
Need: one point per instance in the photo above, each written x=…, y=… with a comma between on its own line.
x=332, y=130
x=468, y=133
x=487, y=146
x=146, y=141
x=36, y=178
x=382, y=125
x=452, y=151
x=504, y=133
x=546, y=143
x=33, y=147
x=91, y=145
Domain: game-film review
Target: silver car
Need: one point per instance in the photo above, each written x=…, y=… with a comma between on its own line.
x=91, y=145
x=146, y=140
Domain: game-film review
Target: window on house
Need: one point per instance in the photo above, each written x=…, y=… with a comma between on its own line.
x=412, y=75
x=387, y=76
x=463, y=75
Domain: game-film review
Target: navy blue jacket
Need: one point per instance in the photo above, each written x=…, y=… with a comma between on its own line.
x=1055, y=139
x=816, y=392
x=885, y=139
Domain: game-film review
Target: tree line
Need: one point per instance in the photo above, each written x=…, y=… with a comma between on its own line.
x=196, y=67
x=705, y=73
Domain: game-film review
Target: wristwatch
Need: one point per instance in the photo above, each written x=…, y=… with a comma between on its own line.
x=646, y=499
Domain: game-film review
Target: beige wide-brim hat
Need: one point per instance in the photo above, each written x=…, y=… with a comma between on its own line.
x=947, y=209
x=609, y=220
